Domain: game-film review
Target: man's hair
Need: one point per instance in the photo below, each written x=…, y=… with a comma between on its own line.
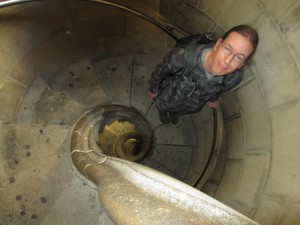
x=246, y=31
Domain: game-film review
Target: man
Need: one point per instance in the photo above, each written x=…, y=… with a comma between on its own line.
x=219, y=68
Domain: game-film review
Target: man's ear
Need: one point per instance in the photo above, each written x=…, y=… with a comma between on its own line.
x=240, y=66
x=219, y=41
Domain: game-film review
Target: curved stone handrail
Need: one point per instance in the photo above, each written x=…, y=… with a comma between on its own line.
x=134, y=194
x=14, y=2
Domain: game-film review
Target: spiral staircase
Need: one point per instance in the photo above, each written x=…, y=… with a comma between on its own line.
x=86, y=122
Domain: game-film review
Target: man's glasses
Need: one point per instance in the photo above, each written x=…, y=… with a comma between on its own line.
x=236, y=58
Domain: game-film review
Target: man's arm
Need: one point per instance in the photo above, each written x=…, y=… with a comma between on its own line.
x=214, y=104
x=152, y=95
x=172, y=62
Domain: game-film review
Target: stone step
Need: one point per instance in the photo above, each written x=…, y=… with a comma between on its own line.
x=62, y=99
x=80, y=82
x=173, y=144
x=37, y=181
x=44, y=104
x=115, y=76
x=120, y=80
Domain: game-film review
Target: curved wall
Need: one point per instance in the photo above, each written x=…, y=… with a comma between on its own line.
x=261, y=174
x=261, y=177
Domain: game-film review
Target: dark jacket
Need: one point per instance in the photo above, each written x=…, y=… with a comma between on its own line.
x=190, y=94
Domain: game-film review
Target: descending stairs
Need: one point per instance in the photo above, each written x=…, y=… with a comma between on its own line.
x=38, y=185
x=118, y=80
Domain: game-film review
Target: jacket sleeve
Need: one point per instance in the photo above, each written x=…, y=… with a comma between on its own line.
x=172, y=63
x=230, y=81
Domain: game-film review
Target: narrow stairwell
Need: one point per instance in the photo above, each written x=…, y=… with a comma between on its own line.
x=41, y=133
x=39, y=182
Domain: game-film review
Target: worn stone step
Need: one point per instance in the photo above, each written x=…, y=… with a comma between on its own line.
x=37, y=183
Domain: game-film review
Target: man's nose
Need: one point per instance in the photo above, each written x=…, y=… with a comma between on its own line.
x=229, y=58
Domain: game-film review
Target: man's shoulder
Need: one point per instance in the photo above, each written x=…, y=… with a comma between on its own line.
x=195, y=39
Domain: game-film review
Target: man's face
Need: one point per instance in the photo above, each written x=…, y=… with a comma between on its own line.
x=230, y=54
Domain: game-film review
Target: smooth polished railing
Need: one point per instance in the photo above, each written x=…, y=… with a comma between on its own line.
x=134, y=194
x=14, y=2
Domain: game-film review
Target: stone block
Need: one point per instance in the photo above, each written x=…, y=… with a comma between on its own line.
x=230, y=106
x=106, y=26
x=269, y=210
x=281, y=80
x=293, y=40
x=140, y=87
x=235, y=139
x=175, y=159
x=46, y=105
x=82, y=11
x=201, y=151
x=26, y=112
x=143, y=60
x=19, y=35
x=121, y=46
x=198, y=159
x=186, y=17
x=209, y=188
x=229, y=12
x=289, y=22
x=116, y=69
x=151, y=47
x=229, y=181
x=179, y=134
x=137, y=27
x=193, y=2
x=10, y=96
x=249, y=72
x=291, y=214
x=33, y=156
x=284, y=178
x=252, y=179
x=7, y=63
x=201, y=117
x=152, y=116
x=208, y=136
x=255, y=117
x=218, y=171
x=77, y=80
x=52, y=61
x=278, y=10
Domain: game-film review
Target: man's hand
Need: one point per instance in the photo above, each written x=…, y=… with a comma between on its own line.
x=215, y=104
x=152, y=95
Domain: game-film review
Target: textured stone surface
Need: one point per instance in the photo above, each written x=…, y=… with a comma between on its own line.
x=115, y=76
x=255, y=116
x=235, y=139
x=231, y=176
x=37, y=183
x=10, y=93
x=269, y=210
x=77, y=80
x=176, y=159
x=285, y=173
x=279, y=82
x=46, y=105
x=140, y=87
x=252, y=178
x=59, y=41
x=179, y=134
